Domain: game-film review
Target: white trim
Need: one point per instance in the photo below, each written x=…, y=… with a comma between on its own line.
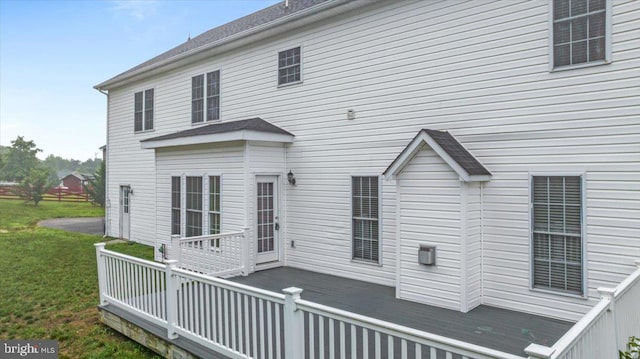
x=398, y=238
x=241, y=135
x=416, y=145
x=464, y=244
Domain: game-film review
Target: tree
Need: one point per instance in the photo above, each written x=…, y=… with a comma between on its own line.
x=35, y=185
x=97, y=186
x=20, y=159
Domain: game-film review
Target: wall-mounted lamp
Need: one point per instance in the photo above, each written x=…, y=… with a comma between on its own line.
x=131, y=191
x=291, y=178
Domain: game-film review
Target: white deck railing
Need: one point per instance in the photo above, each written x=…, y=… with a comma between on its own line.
x=604, y=330
x=246, y=322
x=220, y=255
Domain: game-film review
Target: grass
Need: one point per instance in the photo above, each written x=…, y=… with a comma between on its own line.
x=48, y=286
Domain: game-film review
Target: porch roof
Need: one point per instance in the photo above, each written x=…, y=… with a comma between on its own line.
x=505, y=330
x=448, y=148
x=253, y=129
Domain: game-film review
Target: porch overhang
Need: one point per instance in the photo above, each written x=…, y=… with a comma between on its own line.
x=468, y=168
x=254, y=129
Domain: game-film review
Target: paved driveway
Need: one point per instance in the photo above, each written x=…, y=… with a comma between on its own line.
x=92, y=225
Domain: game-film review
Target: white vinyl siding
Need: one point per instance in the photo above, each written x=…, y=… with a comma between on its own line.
x=579, y=31
x=365, y=218
x=477, y=69
x=557, y=233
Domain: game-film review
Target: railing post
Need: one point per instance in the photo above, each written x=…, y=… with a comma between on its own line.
x=102, y=272
x=293, y=324
x=609, y=294
x=537, y=351
x=172, y=298
x=175, y=253
x=244, y=256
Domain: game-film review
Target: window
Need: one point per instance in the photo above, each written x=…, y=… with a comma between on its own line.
x=194, y=207
x=557, y=233
x=175, y=205
x=205, y=95
x=143, y=110
x=365, y=218
x=289, y=66
x=579, y=31
x=214, y=204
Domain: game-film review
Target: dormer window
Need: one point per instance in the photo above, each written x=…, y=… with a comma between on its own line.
x=205, y=97
x=289, y=70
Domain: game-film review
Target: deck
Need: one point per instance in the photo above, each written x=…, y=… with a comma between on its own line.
x=505, y=330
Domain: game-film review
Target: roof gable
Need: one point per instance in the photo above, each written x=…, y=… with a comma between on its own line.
x=253, y=129
x=460, y=160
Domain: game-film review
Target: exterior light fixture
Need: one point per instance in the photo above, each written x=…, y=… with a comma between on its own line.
x=291, y=178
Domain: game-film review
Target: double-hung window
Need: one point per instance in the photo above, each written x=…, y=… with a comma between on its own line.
x=579, y=32
x=289, y=70
x=365, y=218
x=143, y=110
x=176, y=199
x=205, y=97
x=196, y=208
x=557, y=233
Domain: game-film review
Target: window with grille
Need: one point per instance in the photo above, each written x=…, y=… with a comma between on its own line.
x=365, y=218
x=579, y=31
x=557, y=233
x=205, y=97
x=214, y=205
x=289, y=66
x=143, y=110
x=194, y=207
x=175, y=205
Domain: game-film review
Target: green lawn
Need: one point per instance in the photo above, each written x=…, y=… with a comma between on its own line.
x=48, y=282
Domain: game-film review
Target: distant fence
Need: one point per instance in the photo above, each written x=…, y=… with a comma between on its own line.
x=57, y=194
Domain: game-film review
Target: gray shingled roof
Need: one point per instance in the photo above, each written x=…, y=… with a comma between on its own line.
x=252, y=124
x=453, y=148
x=459, y=154
x=242, y=24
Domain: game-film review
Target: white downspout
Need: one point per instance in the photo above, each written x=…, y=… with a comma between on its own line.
x=482, y=242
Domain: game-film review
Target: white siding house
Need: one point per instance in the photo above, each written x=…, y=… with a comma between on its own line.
x=373, y=74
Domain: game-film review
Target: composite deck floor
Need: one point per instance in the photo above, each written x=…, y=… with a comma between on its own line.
x=505, y=330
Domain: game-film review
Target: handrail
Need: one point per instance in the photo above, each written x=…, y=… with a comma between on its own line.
x=137, y=260
x=233, y=286
x=626, y=284
x=463, y=348
x=210, y=236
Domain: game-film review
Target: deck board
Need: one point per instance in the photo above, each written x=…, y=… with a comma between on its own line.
x=501, y=329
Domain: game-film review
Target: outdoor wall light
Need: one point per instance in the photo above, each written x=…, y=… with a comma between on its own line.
x=291, y=178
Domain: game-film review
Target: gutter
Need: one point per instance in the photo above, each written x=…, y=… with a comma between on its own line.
x=114, y=82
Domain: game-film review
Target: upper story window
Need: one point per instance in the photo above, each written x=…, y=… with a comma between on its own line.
x=143, y=111
x=365, y=218
x=289, y=70
x=205, y=97
x=579, y=31
x=557, y=233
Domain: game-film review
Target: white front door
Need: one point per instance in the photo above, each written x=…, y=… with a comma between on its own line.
x=125, y=209
x=267, y=224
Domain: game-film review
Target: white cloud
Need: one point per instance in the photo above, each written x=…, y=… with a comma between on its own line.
x=138, y=9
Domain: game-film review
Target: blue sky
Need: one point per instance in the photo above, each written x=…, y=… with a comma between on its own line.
x=52, y=53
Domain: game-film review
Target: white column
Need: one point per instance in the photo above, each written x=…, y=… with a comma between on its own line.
x=537, y=351
x=293, y=324
x=617, y=343
x=174, y=251
x=244, y=255
x=102, y=273
x=172, y=298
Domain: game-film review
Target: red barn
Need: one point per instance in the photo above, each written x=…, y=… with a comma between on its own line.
x=74, y=182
